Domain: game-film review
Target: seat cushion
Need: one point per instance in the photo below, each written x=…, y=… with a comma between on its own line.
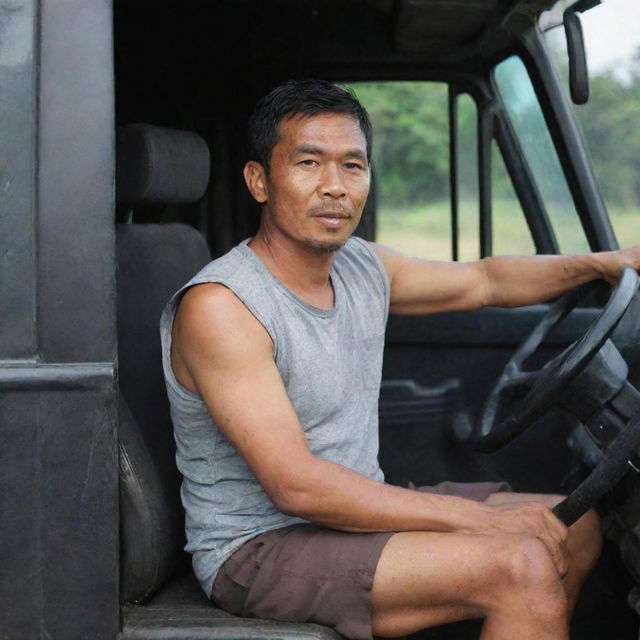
x=181, y=611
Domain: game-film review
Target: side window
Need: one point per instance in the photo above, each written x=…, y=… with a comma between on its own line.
x=412, y=163
x=510, y=231
x=468, y=191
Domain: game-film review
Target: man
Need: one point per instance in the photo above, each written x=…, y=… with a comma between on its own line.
x=272, y=358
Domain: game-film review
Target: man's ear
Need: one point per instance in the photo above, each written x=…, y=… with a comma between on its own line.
x=256, y=178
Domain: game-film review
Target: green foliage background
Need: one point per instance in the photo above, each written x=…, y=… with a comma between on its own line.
x=411, y=152
x=610, y=122
x=411, y=163
x=411, y=137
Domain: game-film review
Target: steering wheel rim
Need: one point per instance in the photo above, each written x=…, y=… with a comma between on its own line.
x=546, y=384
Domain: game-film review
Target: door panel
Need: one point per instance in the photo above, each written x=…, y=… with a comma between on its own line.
x=474, y=347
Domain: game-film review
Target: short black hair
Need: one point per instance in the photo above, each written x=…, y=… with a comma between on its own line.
x=305, y=98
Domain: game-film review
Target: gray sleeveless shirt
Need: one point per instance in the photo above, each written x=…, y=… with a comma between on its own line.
x=330, y=362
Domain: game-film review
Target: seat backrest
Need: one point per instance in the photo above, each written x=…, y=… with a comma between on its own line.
x=159, y=166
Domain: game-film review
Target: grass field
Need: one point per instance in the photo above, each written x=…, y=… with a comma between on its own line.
x=425, y=231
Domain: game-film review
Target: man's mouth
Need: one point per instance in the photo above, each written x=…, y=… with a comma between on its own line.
x=332, y=214
x=331, y=217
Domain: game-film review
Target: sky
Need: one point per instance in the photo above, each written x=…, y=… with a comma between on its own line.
x=612, y=33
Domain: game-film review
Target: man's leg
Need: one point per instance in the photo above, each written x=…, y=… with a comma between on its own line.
x=584, y=542
x=424, y=579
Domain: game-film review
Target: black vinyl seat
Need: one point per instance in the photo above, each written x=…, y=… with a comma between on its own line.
x=160, y=596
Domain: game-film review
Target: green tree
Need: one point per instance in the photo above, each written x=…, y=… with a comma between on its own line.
x=411, y=153
x=610, y=122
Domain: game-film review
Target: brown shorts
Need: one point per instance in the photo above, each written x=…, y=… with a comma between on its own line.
x=307, y=573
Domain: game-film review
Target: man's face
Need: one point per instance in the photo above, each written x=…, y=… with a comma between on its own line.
x=318, y=180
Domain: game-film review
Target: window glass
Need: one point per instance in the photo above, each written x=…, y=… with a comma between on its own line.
x=511, y=234
x=17, y=180
x=469, y=203
x=535, y=140
x=610, y=121
x=411, y=161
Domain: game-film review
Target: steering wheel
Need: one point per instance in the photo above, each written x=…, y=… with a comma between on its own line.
x=544, y=386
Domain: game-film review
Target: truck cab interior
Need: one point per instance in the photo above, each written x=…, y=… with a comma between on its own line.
x=124, y=131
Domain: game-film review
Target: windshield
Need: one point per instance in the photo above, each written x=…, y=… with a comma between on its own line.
x=534, y=138
x=610, y=121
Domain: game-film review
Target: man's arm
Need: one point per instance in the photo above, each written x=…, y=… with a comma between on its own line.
x=221, y=351
x=422, y=286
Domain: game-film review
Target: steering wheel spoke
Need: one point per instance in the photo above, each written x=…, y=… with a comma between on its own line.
x=544, y=386
x=518, y=381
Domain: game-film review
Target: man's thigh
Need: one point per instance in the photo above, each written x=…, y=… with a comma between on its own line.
x=304, y=573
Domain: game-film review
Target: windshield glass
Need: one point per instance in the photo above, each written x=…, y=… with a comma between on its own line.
x=610, y=121
x=529, y=125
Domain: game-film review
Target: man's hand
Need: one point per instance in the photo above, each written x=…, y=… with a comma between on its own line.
x=528, y=518
x=613, y=262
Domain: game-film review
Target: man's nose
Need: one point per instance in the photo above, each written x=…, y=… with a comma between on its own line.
x=332, y=184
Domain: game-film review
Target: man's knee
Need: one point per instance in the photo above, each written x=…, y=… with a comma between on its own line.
x=525, y=565
x=529, y=576
x=528, y=563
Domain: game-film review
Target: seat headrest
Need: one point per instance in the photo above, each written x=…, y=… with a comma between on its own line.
x=155, y=165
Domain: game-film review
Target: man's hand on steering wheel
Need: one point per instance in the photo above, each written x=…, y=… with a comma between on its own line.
x=545, y=386
x=613, y=262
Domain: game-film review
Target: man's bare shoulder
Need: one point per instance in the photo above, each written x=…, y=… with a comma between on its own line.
x=392, y=258
x=210, y=315
x=209, y=296
x=395, y=261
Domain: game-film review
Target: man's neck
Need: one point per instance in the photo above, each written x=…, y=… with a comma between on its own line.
x=303, y=270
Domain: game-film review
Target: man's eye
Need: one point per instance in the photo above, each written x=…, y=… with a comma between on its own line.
x=352, y=165
x=308, y=163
